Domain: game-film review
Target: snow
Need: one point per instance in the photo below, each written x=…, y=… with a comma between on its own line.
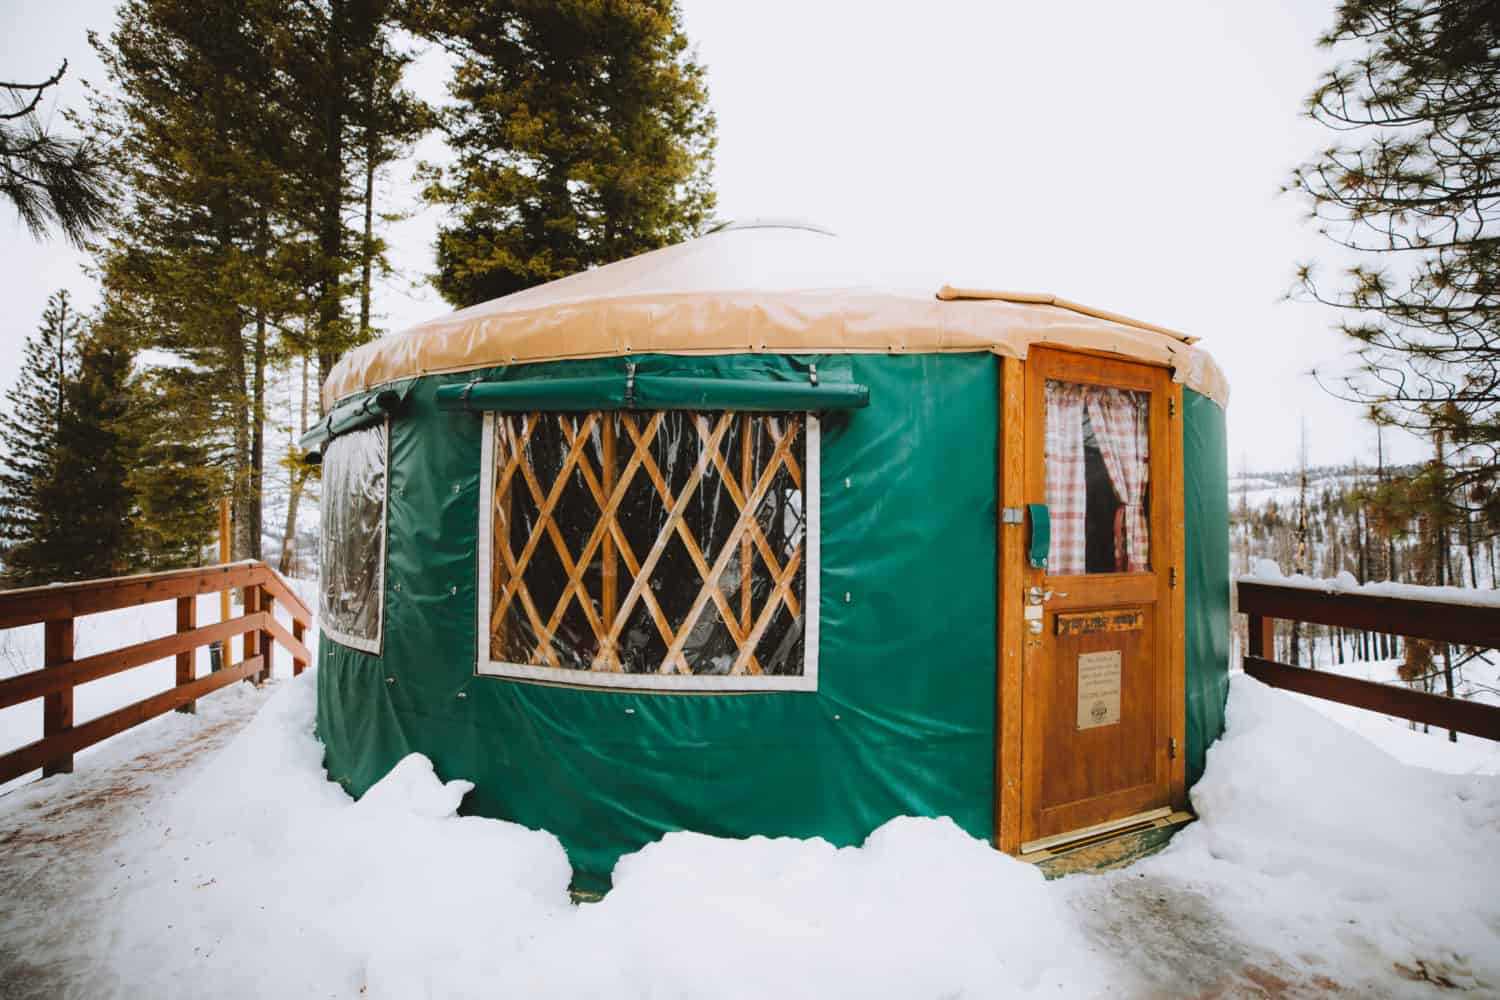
x=1320, y=862
x=1267, y=571
x=1336, y=850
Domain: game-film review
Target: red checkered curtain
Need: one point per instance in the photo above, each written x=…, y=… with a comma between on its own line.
x=1122, y=428
x=1067, y=489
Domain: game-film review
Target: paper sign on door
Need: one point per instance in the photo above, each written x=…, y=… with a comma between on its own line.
x=1098, y=689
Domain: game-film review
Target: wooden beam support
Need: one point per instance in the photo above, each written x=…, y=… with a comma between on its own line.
x=70, y=741
x=250, y=599
x=1011, y=487
x=266, y=642
x=300, y=658
x=57, y=707
x=30, y=605
x=1475, y=718
x=1463, y=624
x=187, y=622
x=36, y=683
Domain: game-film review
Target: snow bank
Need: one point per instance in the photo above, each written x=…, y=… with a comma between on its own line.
x=1317, y=845
x=1266, y=571
x=1319, y=861
x=263, y=878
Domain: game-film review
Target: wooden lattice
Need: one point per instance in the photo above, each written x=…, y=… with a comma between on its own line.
x=749, y=466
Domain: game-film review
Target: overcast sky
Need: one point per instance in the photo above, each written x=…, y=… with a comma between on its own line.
x=1122, y=155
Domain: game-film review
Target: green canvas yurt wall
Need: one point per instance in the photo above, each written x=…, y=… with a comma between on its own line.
x=903, y=720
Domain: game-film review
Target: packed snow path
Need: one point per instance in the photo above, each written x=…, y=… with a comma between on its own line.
x=176, y=865
x=59, y=838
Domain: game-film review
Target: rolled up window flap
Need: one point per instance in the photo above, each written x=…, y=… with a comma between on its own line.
x=631, y=391
x=590, y=392
x=370, y=410
x=681, y=392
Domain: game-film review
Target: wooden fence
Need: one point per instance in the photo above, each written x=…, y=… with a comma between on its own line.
x=1460, y=624
x=56, y=607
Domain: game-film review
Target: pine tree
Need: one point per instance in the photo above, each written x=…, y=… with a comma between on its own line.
x=29, y=429
x=1412, y=190
x=47, y=179
x=86, y=500
x=176, y=479
x=582, y=136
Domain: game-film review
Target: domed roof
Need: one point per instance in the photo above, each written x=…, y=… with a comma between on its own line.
x=761, y=285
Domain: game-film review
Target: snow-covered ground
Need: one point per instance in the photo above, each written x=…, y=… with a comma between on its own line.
x=1320, y=862
x=183, y=860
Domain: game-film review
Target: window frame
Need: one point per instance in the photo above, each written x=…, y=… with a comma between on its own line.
x=655, y=682
x=374, y=646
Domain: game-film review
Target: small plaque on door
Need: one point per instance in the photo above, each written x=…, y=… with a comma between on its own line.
x=1091, y=622
x=1098, y=689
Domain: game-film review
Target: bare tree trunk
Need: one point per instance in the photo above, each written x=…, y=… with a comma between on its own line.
x=286, y=564
x=258, y=438
x=367, y=248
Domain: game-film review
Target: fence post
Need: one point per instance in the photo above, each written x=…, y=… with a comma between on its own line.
x=1262, y=637
x=298, y=663
x=267, y=642
x=187, y=620
x=57, y=708
x=250, y=640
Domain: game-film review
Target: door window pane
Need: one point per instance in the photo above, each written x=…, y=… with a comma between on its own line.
x=1098, y=479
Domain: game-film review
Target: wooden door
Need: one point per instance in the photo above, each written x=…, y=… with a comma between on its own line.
x=1096, y=686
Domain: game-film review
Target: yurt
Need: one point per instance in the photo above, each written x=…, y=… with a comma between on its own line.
x=732, y=537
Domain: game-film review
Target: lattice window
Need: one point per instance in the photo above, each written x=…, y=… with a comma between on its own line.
x=651, y=549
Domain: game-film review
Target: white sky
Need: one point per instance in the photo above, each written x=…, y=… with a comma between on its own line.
x=1122, y=155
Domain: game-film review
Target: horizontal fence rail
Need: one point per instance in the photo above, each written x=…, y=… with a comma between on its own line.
x=1437, y=621
x=57, y=607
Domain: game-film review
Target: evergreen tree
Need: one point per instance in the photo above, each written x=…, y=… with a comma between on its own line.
x=195, y=263
x=1412, y=189
x=582, y=136
x=174, y=479
x=86, y=501
x=29, y=429
x=48, y=180
x=348, y=116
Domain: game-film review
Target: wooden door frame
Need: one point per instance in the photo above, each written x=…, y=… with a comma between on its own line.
x=1011, y=573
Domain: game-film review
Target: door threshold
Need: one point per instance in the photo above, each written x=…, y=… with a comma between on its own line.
x=1045, y=847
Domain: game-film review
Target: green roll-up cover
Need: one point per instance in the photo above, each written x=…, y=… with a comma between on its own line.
x=350, y=416
x=652, y=392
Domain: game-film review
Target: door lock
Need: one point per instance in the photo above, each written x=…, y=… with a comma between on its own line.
x=1036, y=595
x=1035, y=626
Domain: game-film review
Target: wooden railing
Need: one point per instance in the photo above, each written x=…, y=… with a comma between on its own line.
x=1460, y=624
x=56, y=607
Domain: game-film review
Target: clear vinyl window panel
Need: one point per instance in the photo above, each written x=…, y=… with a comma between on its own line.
x=656, y=549
x=351, y=546
x=1098, y=475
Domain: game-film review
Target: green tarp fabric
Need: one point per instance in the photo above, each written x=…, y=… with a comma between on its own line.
x=352, y=414
x=1205, y=462
x=903, y=721
x=653, y=392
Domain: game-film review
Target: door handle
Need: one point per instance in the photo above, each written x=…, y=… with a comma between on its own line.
x=1036, y=595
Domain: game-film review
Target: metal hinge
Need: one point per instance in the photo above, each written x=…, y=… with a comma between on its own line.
x=1172, y=748
x=1171, y=407
x=1012, y=515
x=1172, y=578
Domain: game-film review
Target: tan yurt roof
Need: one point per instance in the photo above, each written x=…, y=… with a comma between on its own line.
x=757, y=286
